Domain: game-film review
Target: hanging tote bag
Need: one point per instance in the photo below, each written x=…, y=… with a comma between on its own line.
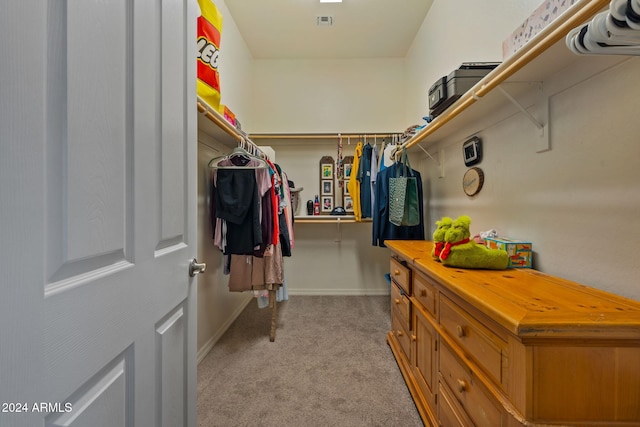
x=403, y=195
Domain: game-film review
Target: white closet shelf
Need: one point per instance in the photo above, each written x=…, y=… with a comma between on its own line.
x=321, y=135
x=543, y=56
x=215, y=125
x=327, y=219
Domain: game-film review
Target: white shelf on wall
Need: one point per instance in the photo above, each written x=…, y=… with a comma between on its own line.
x=327, y=219
x=543, y=56
x=216, y=126
x=336, y=220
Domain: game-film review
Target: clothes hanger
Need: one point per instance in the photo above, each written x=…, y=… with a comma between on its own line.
x=633, y=14
x=238, y=151
x=595, y=47
x=606, y=28
x=612, y=32
x=579, y=42
x=618, y=10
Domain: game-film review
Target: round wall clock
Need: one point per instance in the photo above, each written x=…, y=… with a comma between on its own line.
x=472, y=181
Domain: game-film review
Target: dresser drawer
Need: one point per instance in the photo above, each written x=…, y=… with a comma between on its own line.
x=449, y=413
x=467, y=391
x=402, y=335
x=401, y=275
x=400, y=306
x=478, y=341
x=511, y=348
x=425, y=292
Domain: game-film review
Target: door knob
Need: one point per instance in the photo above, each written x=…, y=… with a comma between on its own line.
x=196, y=268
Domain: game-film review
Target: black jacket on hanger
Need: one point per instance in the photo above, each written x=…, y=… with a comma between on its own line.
x=382, y=228
x=236, y=201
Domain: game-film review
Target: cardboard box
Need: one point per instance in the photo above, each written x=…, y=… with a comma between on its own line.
x=519, y=251
x=227, y=114
x=547, y=12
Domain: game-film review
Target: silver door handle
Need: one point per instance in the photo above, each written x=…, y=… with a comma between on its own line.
x=196, y=268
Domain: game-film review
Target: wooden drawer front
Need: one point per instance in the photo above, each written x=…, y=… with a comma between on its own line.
x=477, y=340
x=402, y=335
x=605, y=380
x=401, y=275
x=425, y=292
x=467, y=391
x=424, y=359
x=448, y=412
x=400, y=306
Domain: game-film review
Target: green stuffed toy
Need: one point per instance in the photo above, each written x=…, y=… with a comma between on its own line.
x=438, y=236
x=462, y=252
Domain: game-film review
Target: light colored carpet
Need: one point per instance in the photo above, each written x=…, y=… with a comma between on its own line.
x=330, y=365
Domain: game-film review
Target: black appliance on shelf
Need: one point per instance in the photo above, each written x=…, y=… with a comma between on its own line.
x=446, y=90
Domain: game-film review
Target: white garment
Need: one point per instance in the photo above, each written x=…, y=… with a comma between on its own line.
x=387, y=158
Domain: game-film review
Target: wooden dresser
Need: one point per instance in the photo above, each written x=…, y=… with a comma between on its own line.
x=513, y=347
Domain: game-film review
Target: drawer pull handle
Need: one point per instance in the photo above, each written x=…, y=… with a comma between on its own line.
x=413, y=337
x=460, y=330
x=400, y=334
x=397, y=301
x=462, y=386
x=396, y=272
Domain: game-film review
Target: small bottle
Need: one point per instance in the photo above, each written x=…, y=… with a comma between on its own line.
x=316, y=206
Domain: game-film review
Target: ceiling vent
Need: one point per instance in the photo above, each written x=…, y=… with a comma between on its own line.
x=324, y=21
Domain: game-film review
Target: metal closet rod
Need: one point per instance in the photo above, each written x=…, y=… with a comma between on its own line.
x=321, y=135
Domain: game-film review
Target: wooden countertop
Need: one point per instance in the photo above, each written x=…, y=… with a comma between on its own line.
x=528, y=303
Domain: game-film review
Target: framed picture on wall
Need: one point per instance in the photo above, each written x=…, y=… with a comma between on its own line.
x=326, y=204
x=327, y=187
x=327, y=184
x=326, y=171
x=348, y=204
x=347, y=163
x=347, y=170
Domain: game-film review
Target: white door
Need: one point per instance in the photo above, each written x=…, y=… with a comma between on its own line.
x=97, y=213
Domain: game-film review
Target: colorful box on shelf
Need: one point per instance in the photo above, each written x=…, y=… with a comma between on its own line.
x=519, y=251
x=227, y=114
x=547, y=12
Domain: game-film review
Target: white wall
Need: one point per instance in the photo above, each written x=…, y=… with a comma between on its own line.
x=235, y=67
x=579, y=202
x=348, y=95
x=454, y=32
x=217, y=307
x=328, y=259
x=580, y=212
x=332, y=260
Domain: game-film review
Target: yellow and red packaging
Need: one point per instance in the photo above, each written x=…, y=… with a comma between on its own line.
x=209, y=34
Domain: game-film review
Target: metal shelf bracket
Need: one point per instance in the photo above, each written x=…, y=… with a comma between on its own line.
x=542, y=144
x=439, y=161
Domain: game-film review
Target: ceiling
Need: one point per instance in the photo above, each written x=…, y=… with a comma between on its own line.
x=287, y=29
